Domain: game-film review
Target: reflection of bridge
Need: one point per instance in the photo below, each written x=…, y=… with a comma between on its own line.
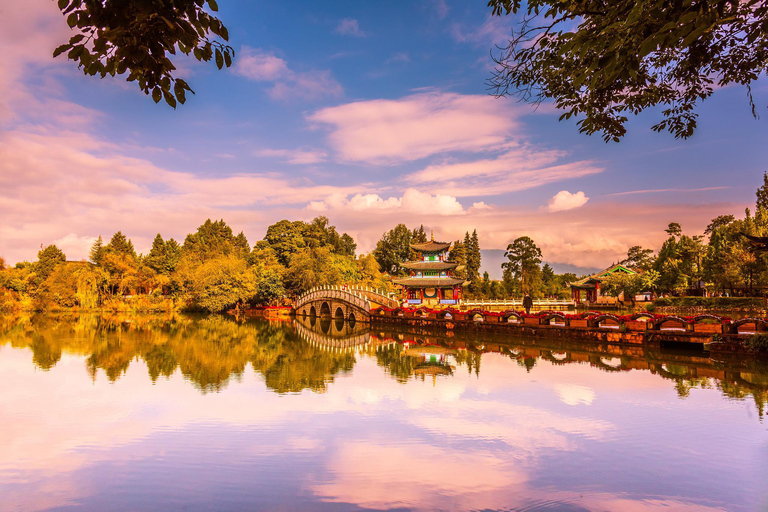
x=336, y=335
x=344, y=302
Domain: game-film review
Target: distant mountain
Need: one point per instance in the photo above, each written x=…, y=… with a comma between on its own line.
x=493, y=258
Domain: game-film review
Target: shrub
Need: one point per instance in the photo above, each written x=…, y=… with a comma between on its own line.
x=757, y=343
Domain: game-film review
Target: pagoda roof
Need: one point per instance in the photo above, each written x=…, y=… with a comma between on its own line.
x=429, y=281
x=429, y=265
x=601, y=276
x=431, y=246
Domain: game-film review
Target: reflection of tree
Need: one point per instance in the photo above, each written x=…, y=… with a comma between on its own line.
x=208, y=351
x=469, y=358
x=398, y=365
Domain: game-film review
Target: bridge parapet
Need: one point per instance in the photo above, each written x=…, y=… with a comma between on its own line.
x=360, y=297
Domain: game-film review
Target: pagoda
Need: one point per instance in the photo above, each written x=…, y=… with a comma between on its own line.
x=431, y=281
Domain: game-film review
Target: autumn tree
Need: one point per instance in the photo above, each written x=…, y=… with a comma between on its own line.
x=47, y=260
x=601, y=61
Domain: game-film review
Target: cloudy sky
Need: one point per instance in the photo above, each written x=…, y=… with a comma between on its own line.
x=368, y=113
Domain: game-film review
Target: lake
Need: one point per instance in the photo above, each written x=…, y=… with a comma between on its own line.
x=205, y=413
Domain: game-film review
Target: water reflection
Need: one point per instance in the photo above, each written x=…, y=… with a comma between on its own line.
x=309, y=353
x=313, y=417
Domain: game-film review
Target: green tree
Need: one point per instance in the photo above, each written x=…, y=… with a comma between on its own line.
x=629, y=285
x=141, y=37
x=523, y=265
x=393, y=249
x=600, y=61
x=473, y=257
x=638, y=258
x=458, y=254
x=319, y=267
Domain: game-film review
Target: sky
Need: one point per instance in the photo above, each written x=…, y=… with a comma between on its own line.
x=367, y=113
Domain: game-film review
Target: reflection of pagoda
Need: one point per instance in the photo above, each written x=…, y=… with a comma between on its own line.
x=431, y=282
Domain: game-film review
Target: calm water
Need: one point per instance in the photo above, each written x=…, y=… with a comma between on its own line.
x=141, y=413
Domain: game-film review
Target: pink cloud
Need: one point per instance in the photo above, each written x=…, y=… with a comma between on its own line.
x=416, y=126
x=263, y=66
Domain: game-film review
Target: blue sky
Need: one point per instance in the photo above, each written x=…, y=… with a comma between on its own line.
x=368, y=113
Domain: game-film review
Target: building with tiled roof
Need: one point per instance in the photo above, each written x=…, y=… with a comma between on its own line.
x=588, y=288
x=431, y=281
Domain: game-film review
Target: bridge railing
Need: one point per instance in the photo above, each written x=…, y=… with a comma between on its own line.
x=357, y=296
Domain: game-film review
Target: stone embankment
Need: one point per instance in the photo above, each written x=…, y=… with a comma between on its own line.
x=708, y=331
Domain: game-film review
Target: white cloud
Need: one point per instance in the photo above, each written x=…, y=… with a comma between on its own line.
x=256, y=64
x=412, y=201
x=264, y=66
x=349, y=27
x=565, y=200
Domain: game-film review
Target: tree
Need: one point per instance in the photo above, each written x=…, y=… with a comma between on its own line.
x=762, y=195
x=393, y=248
x=120, y=244
x=139, y=37
x=524, y=259
x=458, y=254
x=212, y=239
x=97, y=251
x=638, y=258
x=602, y=60
x=47, y=260
x=222, y=282
x=473, y=257
x=287, y=238
x=630, y=285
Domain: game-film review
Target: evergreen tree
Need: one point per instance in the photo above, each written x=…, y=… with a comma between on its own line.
x=120, y=244
x=458, y=254
x=762, y=194
x=473, y=257
x=97, y=251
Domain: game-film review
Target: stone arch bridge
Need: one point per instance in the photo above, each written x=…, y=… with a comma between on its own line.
x=343, y=302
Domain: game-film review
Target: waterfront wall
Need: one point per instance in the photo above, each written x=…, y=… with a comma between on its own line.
x=638, y=329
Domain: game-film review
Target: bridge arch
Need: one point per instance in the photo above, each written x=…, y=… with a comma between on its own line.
x=671, y=319
x=547, y=318
x=325, y=310
x=600, y=320
x=312, y=311
x=759, y=323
